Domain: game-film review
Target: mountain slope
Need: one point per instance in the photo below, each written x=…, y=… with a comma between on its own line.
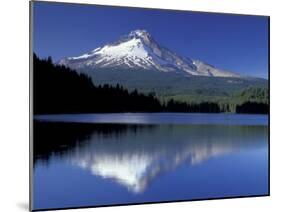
x=139, y=51
x=170, y=84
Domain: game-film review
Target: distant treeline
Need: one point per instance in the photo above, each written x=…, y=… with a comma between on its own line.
x=58, y=89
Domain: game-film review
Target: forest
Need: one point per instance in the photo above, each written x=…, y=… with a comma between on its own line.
x=58, y=89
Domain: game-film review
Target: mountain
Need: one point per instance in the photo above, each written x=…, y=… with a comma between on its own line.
x=137, y=61
x=139, y=51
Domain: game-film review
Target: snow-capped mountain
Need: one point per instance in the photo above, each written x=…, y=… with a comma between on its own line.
x=138, y=50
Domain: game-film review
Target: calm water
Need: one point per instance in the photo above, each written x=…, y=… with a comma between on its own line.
x=100, y=159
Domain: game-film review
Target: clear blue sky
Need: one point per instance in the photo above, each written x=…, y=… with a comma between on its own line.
x=232, y=42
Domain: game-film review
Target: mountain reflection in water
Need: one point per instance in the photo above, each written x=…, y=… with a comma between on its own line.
x=134, y=155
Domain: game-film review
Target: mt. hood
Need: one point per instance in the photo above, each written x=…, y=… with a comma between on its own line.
x=139, y=51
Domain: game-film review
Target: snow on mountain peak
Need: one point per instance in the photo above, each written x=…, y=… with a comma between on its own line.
x=139, y=33
x=138, y=50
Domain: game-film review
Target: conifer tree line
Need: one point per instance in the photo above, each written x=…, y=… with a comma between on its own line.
x=58, y=89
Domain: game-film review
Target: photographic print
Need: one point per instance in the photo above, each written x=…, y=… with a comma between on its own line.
x=134, y=105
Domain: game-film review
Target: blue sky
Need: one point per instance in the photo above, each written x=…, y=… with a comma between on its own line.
x=231, y=42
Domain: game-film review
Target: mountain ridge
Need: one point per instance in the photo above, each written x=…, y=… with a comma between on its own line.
x=139, y=50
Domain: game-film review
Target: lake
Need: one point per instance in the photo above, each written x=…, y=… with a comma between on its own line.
x=108, y=159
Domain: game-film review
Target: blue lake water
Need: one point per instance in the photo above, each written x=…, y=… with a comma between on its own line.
x=158, y=118
x=104, y=159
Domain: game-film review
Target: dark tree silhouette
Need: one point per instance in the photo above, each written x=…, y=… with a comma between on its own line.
x=252, y=107
x=58, y=89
